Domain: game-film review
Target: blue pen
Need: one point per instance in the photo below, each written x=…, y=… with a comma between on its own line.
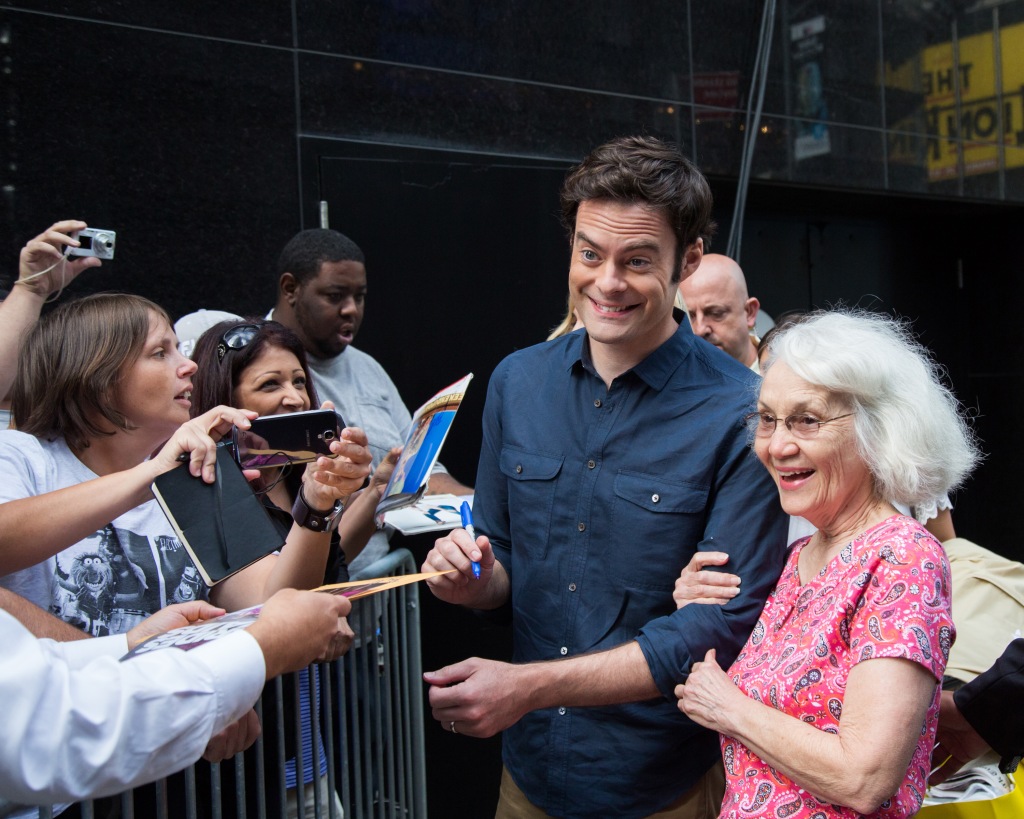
x=467, y=523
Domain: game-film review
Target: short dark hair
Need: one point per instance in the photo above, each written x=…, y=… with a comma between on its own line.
x=647, y=171
x=215, y=379
x=309, y=249
x=73, y=360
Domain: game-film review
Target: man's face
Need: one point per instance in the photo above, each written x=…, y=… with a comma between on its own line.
x=719, y=310
x=329, y=307
x=620, y=276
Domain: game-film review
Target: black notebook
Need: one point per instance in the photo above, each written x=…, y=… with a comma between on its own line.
x=222, y=524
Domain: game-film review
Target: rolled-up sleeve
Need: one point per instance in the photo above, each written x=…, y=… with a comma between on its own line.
x=745, y=521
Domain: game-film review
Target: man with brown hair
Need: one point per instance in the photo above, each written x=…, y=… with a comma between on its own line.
x=610, y=457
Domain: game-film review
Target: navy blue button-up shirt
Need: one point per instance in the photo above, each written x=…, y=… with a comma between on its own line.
x=594, y=499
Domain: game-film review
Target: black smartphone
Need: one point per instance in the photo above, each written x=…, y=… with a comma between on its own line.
x=295, y=438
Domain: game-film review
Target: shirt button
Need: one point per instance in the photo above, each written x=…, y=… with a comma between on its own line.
x=561, y=710
x=591, y=464
x=655, y=497
x=581, y=526
x=564, y=650
x=572, y=587
x=597, y=402
x=519, y=469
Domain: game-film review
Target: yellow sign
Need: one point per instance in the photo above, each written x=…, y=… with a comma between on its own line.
x=976, y=123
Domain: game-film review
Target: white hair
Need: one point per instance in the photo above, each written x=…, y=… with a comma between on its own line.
x=911, y=430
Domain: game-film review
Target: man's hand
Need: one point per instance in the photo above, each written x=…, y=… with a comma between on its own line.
x=173, y=616
x=341, y=645
x=46, y=253
x=234, y=739
x=957, y=743
x=296, y=628
x=479, y=696
x=457, y=550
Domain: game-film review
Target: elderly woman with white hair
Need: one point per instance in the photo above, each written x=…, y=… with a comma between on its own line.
x=830, y=709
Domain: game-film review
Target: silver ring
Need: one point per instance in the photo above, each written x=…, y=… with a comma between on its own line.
x=451, y=727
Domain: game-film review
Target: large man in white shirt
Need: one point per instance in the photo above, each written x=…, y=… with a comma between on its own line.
x=78, y=724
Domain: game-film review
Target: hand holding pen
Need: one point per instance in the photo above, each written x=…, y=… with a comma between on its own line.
x=467, y=523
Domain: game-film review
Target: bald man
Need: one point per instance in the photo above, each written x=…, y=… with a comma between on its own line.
x=720, y=309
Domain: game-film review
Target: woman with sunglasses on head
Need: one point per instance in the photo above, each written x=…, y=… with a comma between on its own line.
x=101, y=402
x=260, y=366
x=831, y=707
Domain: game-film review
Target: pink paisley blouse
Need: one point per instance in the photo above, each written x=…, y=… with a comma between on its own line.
x=886, y=594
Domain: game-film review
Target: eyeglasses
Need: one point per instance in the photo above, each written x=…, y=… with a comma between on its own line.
x=236, y=338
x=802, y=425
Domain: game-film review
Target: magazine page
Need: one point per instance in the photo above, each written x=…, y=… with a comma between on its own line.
x=431, y=513
x=430, y=425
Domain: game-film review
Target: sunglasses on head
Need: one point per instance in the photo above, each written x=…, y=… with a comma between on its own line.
x=237, y=338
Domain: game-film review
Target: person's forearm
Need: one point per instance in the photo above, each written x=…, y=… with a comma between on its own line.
x=36, y=528
x=357, y=524
x=603, y=678
x=39, y=622
x=299, y=565
x=441, y=483
x=18, y=312
x=65, y=753
x=859, y=767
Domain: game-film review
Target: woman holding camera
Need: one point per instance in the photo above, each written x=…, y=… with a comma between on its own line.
x=101, y=402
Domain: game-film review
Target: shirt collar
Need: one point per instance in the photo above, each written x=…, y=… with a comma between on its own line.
x=655, y=370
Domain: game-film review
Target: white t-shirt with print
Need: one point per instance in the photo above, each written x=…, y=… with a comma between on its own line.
x=111, y=580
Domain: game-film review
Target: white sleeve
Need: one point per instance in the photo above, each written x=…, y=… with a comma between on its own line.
x=107, y=726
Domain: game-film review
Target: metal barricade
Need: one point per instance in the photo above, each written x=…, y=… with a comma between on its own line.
x=360, y=718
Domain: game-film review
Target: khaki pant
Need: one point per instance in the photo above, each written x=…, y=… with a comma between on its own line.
x=702, y=801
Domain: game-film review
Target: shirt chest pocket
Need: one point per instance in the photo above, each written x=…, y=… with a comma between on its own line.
x=531, y=478
x=665, y=519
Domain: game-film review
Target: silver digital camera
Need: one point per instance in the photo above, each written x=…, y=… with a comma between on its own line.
x=95, y=242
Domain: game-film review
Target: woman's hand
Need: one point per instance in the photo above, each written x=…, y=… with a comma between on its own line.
x=198, y=438
x=329, y=479
x=695, y=585
x=43, y=268
x=708, y=694
x=382, y=474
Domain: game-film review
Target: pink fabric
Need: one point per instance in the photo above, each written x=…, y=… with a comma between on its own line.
x=886, y=594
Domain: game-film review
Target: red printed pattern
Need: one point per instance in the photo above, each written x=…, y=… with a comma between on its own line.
x=886, y=594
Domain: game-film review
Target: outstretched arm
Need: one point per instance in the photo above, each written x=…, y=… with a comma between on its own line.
x=96, y=728
x=33, y=527
x=42, y=270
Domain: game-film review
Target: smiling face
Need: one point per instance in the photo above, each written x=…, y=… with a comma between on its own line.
x=328, y=308
x=822, y=478
x=621, y=278
x=155, y=392
x=274, y=383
